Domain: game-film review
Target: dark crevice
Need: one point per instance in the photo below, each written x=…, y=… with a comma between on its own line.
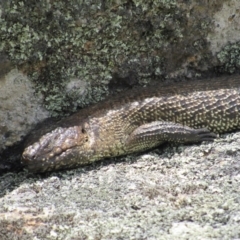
x=10, y=158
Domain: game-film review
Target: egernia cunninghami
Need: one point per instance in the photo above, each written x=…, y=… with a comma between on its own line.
x=137, y=120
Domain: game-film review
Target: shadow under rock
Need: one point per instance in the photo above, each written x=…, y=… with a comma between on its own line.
x=10, y=158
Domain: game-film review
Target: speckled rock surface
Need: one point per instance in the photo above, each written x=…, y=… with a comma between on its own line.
x=121, y=42
x=226, y=25
x=20, y=108
x=76, y=53
x=185, y=192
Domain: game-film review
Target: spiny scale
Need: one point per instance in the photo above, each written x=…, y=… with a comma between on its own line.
x=138, y=120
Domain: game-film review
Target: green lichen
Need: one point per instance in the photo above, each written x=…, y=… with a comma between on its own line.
x=55, y=41
x=229, y=58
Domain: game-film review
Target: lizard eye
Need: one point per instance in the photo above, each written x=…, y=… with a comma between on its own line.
x=85, y=133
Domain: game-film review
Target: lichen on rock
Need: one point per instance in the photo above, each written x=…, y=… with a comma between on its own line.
x=54, y=41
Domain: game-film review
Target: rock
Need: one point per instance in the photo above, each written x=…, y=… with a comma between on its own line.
x=20, y=109
x=191, y=191
x=186, y=192
x=226, y=24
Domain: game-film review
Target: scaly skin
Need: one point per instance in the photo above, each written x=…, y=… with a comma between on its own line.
x=135, y=121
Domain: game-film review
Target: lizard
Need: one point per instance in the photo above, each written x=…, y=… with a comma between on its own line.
x=186, y=112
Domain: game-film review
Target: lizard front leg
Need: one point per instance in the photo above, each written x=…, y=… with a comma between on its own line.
x=154, y=133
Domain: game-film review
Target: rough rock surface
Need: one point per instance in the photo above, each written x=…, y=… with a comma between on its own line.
x=226, y=25
x=20, y=108
x=78, y=52
x=185, y=192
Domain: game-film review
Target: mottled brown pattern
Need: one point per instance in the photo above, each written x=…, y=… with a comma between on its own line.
x=138, y=120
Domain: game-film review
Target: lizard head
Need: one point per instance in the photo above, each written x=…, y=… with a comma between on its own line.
x=57, y=149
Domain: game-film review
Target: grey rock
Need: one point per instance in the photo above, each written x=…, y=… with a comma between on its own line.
x=226, y=24
x=186, y=192
x=183, y=192
x=20, y=108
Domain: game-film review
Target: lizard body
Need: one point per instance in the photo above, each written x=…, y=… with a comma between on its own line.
x=138, y=120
